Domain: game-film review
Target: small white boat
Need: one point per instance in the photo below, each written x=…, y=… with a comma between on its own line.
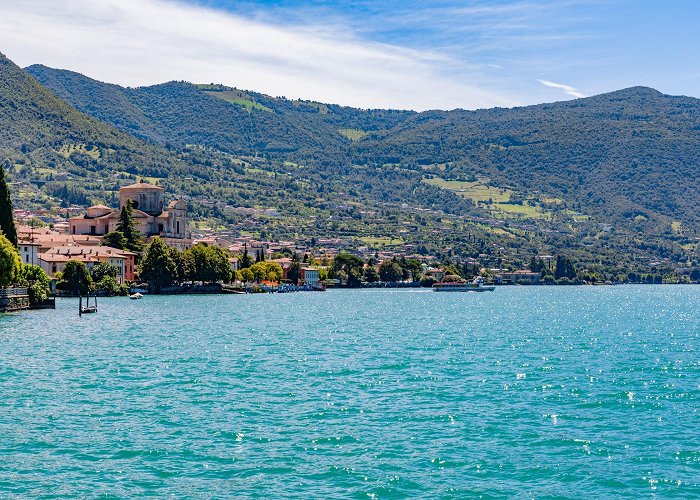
x=136, y=296
x=455, y=286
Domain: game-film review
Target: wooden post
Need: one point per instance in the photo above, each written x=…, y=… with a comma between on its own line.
x=80, y=305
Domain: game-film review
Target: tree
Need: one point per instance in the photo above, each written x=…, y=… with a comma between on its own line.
x=564, y=268
x=104, y=277
x=247, y=275
x=537, y=265
x=76, y=277
x=371, y=275
x=453, y=278
x=219, y=268
x=428, y=281
x=104, y=270
x=451, y=269
x=37, y=282
x=180, y=264
x=266, y=271
x=413, y=267
x=7, y=222
x=158, y=268
x=294, y=272
x=207, y=264
x=351, y=266
x=10, y=262
x=127, y=227
x=246, y=260
x=390, y=271
x=115, y=239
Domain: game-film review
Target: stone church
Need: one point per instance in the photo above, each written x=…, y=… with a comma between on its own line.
x=151, y=217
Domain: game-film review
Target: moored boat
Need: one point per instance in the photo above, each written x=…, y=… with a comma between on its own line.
x=478, y=285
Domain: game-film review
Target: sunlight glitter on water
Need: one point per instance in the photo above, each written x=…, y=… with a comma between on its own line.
x=524, y=392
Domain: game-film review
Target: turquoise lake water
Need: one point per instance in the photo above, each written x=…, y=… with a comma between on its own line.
x=528, y=391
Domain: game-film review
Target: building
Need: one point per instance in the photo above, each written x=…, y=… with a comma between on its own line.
x=438, y=274
x=51, y=250
x=54, y=259
x=309, y=275
x=151, y=216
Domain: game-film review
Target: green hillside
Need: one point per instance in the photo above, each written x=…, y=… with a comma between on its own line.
x=625, y=157
x=56, y=155
x=607, y=179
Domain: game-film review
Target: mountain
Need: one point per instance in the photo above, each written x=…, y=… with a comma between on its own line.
x=56, y=155
x=216, y=116
x=45, y=136
x=608, y=180
x=628, y=157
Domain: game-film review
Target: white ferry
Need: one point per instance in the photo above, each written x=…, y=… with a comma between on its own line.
x=475, y=286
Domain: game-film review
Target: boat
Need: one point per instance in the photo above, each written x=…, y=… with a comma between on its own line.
x=135, y=296
x=478, y=285
x=87, y=308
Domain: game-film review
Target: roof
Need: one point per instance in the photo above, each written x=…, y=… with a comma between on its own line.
x=85, y=252
x=143, y=185
x=101, y=207
x=138, y=214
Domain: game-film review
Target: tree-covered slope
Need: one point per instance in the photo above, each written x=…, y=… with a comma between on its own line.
x=57, y=156
x=629, y=157
x=216, y=116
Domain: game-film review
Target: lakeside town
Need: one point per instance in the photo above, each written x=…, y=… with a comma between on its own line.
x=147, y=246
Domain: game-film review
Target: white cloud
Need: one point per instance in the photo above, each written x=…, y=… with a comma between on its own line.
x=143, y=42
x=572, y=91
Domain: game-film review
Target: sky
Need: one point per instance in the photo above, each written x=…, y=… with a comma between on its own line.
x=406, y=54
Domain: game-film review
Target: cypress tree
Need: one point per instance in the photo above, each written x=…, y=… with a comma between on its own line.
x=127, y=227
x=246, y=260
x=7, y=223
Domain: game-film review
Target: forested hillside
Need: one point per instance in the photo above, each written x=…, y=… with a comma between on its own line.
x=57, y=156
x=628, y=157
x=609, y=180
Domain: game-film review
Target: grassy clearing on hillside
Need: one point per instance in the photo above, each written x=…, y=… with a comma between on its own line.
x=352, y=133
x=253, y=170
x=381, y=241
x=68, y=149
x=478, y=191
x=524, y=210
x=234, y=98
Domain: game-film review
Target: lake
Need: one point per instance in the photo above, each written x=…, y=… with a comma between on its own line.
x=526, y=391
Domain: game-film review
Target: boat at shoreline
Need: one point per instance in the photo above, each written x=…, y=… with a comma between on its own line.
x=478, y=285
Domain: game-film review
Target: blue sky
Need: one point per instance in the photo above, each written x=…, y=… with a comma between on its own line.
x=406, y=54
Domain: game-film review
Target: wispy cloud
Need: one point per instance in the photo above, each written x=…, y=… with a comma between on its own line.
x=140, y=42
x=572, y=91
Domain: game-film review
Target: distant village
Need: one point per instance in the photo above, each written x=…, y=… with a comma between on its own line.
x=80, y=237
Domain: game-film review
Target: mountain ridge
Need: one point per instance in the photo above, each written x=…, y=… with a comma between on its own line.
x=602, y=176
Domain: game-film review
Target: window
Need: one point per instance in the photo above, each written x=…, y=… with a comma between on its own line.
x=160, y=228
x=92, y=229
x=26, y=258
x=177, y=224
